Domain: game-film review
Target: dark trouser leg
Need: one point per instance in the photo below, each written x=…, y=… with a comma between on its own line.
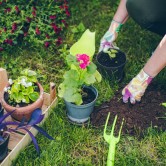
x=149, y=14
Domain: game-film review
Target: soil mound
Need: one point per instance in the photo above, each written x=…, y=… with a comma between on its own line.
x=149, y=112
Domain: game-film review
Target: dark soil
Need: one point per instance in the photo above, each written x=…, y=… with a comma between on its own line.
x=88, y=96
x=149, y=112
x=105, y=60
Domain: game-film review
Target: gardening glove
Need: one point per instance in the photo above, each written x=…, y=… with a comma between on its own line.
x=136, y=88
x=110, y=36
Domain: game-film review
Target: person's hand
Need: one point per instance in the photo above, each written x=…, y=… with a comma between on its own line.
x=110, y=36
x=136, y=88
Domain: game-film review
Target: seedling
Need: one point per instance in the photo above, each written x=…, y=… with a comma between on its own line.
x=112, y=53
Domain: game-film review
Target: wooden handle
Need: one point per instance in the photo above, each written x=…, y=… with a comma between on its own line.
x=3, y=80
x=52, y=92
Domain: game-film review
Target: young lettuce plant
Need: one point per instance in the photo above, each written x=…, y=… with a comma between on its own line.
x=23, y=89
x=36, y=118
x=112, y=53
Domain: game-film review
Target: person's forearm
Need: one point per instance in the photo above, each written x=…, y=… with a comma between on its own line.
x=158, y=60
x=121, y=14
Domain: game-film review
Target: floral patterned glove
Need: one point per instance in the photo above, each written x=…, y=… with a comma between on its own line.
x=110, y=36
x=136, y=88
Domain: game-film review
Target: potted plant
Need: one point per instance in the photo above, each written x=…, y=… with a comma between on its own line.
x=111, y=63
x=7, y=127
x=76, y=89
x=23, y=95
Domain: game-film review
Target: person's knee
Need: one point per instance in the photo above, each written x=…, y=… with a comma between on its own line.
x=140, y=13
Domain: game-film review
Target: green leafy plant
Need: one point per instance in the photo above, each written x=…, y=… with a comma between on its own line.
x=82, y=71
x=36, y=22
x=24, y=88
x=112, y=53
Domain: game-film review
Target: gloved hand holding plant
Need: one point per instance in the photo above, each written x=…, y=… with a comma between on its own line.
x=110, y=36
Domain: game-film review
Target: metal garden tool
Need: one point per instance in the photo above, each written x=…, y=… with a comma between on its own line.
x=112, y=140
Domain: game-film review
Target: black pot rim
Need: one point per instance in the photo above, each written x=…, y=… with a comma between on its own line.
x=100, y=53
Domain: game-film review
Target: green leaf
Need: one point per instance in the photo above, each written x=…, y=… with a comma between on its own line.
x=61, y=90
x=98, y=76
x=15, y=42
x=71, y=59
x=71, y=78
x=112, y=55
x=32, y=79
x=26, y=99
x=163, y=104
x=85, y=45
x=21, y=32
x=15, y=88
x=89, y=79
x=34, y=96
x=73, y=67
x=81, y=27
x=91, y=69
x=30, y=89
x=71, y=95
x=20, y=96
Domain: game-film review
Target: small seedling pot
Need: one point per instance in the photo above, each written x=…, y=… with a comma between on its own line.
x=112, y=67
x=80, y=114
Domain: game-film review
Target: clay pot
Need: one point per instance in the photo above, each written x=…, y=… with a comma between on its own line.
x=26, y=111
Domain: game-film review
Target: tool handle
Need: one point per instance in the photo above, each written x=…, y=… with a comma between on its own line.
x=111, y=154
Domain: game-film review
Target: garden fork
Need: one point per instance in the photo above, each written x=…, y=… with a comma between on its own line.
x=112, y=140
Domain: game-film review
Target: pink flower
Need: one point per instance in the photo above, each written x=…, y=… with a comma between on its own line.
x=64, y=22
x=52, y=17
x=59, y=41
x=47, y=36
x=14, y=26
x=47, y=44
x=25, y=34
x=1, y=49
x=67, y=13
x=34, y=8
x=83, y=59
x=5, y=29
x=7, y=10
x=56, y=28
x=28, y=19
x=37, y=31
x=9, y=41
x=34, y=13
x=17, y=9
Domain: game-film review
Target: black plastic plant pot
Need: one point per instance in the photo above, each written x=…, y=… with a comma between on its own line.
x=1, y=110
x=4, y=146
x=112, y=67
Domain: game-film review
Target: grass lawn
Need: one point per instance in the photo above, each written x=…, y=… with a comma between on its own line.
x=85, y=145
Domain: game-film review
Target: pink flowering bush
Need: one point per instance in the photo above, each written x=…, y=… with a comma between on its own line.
x=82, y=71
x=36, y=21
